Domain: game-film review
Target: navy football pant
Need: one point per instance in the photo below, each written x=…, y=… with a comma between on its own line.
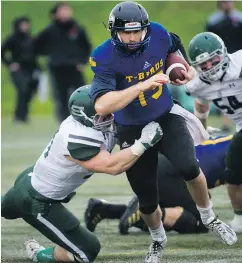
x=233, y=170
x=176, y=144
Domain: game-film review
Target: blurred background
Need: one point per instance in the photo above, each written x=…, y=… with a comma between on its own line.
x=186, y=18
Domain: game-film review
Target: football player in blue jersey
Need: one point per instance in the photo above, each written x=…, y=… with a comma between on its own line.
x=129, y=81
x=179, y=212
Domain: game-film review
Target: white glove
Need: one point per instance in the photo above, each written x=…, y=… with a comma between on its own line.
x=151, y=134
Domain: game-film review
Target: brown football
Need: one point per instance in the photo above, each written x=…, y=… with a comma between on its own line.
x=174, y=64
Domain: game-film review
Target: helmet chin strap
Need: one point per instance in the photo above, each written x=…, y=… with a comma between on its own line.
x=144, y=32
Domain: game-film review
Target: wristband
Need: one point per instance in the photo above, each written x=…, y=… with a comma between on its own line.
x=137, y=148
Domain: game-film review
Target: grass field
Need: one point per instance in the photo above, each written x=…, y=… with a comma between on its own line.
x=21, y=146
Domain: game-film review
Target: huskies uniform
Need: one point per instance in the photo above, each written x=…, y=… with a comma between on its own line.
x=226, y=93
x=219, y=80
x=64, y=176
x=40, y=190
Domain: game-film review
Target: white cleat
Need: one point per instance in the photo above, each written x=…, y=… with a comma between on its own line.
x=225, y=232
x=155, y=251
x=32, y=248
x=237, y=226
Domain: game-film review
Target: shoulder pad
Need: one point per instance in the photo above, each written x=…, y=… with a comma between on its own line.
x=101, y=55
x=83, y=143
x=158, y=28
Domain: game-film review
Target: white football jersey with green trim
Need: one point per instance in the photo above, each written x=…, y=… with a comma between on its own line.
x=226, y=94
x=54, y=176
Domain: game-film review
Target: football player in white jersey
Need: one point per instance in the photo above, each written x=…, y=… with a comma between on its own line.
x=80, y=147
x=219, y=80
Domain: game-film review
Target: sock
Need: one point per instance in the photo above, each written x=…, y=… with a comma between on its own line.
x=46, y=255
x=237, y=212
x=110, y=211
x=206, y=213
x=237, y=219
x=158, y=234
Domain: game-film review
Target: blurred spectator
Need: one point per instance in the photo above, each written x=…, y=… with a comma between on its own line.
x=18, y=55
x=67, y=47
x=227, y=23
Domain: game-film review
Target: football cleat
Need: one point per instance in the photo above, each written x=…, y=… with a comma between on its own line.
x=155, y=251
x=130, y=217
x=92, y=214
x=32, y=248
x=225, y=232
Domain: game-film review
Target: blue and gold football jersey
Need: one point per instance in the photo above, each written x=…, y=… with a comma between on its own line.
x=211, y=155
x=115, y=71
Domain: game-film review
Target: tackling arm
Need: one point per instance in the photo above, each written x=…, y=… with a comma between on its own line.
x=201, y=110
x=101, y=161
x=105, y=162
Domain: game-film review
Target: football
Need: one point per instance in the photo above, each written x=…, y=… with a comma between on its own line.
x=173, y=65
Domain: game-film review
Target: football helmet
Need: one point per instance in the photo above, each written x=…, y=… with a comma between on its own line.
x=82, y=109
x=129, y=16
x=209, y=48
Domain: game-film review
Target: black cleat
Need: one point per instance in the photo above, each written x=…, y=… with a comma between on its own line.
x=130, y=217
x=92, y=214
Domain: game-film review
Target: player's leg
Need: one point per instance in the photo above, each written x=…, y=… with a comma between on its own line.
x=98, y=210
x=142, y=177
x=234, y=179
x=9, y=210
x=55, y=222
x=179, y=210
x=177, y=139
x=58, y=224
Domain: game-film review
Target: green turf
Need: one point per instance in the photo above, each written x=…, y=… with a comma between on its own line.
x=185, y=18
x=21, y=145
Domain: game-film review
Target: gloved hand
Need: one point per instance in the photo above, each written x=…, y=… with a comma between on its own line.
x=151, y=134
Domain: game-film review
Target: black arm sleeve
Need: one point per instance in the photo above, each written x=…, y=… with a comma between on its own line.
x=178, y=46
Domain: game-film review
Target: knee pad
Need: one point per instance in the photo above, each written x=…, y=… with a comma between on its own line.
x=189, y=172
x=94, y=249
x=232, y=177
x=188, y=223
x=147, y=209
x=88, y=244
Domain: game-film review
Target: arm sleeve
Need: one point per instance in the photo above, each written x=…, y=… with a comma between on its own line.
x=175, y=42
x=6, y=46
x=83, y=145
x=104, y=79
x=177, y=46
